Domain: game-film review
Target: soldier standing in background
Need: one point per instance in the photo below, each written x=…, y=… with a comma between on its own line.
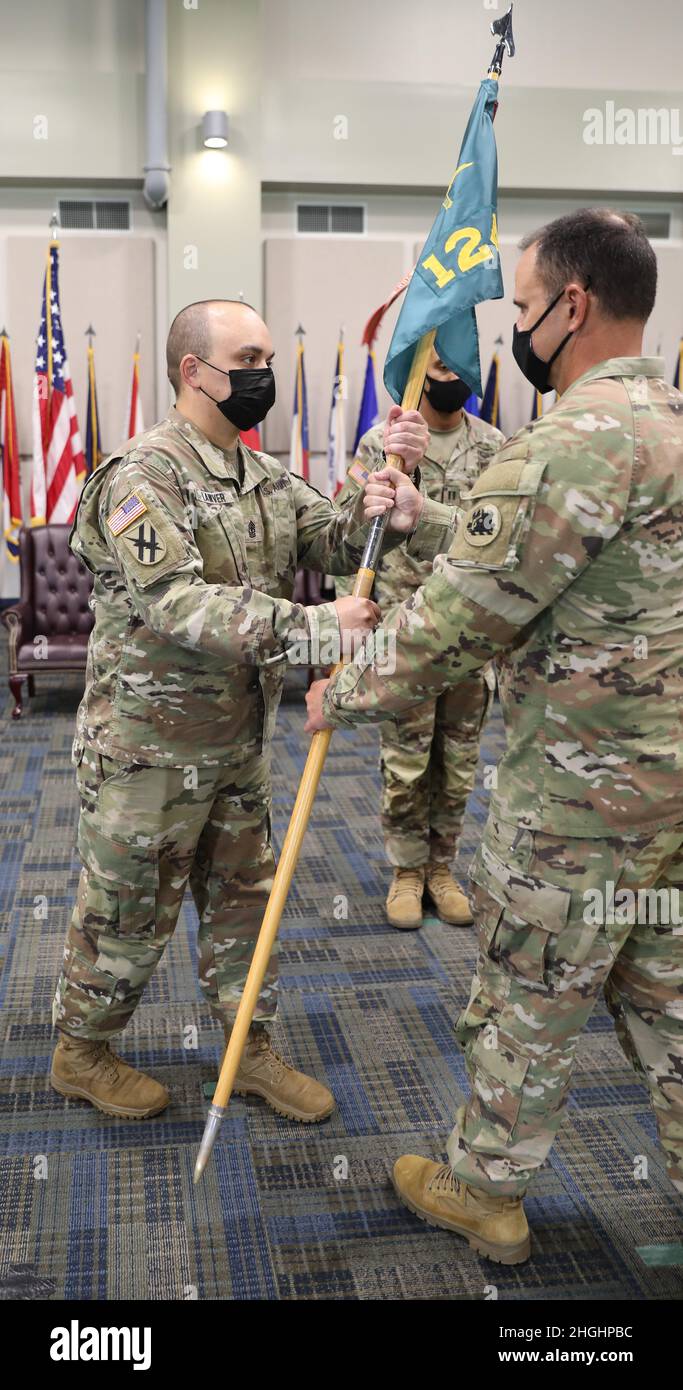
x=194, y=541
x=428, y=757
x=567, y=567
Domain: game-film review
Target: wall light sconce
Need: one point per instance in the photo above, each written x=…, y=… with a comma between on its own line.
x=215, y=130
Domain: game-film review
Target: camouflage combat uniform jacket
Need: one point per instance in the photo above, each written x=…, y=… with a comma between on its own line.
x=568, y=559
x=194, y=553
x=400, y=572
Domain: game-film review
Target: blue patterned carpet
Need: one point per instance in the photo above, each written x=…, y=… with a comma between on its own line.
x=92, y=1208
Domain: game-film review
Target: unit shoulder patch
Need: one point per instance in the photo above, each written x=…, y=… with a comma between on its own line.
x=483, y=524
x=496, y=515
x=146, y=543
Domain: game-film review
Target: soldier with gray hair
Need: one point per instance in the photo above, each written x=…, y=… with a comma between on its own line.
x=566, y=566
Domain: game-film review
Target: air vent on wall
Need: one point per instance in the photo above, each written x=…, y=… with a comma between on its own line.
x=336, y=218
x=656, y=224
x=85, y=214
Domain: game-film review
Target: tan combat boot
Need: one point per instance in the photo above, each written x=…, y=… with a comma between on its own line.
x=262, y=1072
x=447, y=896
x=495, y=1226
x=404, y=900
x=88, y=1070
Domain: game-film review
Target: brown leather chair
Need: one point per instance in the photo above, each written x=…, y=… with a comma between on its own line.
x=50, y=625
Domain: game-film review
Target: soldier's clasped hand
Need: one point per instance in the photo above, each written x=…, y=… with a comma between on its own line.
x=406, y=435
x=390, y=490
x=358, y=617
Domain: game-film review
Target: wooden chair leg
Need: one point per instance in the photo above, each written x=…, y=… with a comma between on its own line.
x=15, y=685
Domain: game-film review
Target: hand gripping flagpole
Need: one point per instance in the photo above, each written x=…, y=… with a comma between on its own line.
x=320, y=743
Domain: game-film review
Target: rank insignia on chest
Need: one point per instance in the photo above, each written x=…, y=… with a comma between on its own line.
x=147, y=545
x=126, y=514
x=253, y=529
x=483, y=524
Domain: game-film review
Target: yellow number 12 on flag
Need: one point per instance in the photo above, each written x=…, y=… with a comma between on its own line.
x=471, y=254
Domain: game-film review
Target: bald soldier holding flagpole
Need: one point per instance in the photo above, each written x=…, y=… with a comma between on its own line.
x=194, y=541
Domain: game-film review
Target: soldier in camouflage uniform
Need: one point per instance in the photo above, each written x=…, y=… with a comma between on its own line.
x=194, y=541
x=428, y=758
x=567, y=566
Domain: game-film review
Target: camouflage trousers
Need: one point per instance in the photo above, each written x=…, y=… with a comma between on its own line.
x=428, y=761
x=560, y=920
x=144, y=834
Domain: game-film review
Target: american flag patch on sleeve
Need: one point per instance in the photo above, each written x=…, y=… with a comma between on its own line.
x=129, y=511
x=359, y=474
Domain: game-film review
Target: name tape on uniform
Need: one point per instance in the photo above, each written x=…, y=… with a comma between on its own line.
x=126, y=514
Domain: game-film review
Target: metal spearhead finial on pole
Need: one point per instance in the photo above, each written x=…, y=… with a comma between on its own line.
x=502, y=28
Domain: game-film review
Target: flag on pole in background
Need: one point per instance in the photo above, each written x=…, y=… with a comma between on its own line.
x=252, y=437
x=298, y=453
x=11, y=477
x=93, y=445
x=58, y=462
x=336, y=434
x=490, y=406
x=678, y=376
x=368, y=414
x=472, y=405
x=373, y=324
x=459, y=265
x=134, y=421
x=537, y=408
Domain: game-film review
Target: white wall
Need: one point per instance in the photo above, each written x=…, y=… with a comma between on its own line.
x=403, y=221
x=404, y=76
x=79, y=64
x=214, y=208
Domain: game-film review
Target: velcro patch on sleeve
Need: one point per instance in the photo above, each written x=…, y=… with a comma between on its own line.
x=151, y=546
x=359, y=474
x=126, y=513
x=493, y=522
x=146, y=543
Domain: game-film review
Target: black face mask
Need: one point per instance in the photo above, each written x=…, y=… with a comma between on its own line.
x=535, y=370
x=252, y=395
x=447, y=396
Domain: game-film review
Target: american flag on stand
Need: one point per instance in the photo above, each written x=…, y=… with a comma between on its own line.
x=58, y=461
x=299, y=453
x=134, y=421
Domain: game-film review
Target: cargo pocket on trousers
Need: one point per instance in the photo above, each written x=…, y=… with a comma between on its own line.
x=532, y=913
x=498, y=1075
x=120, y=890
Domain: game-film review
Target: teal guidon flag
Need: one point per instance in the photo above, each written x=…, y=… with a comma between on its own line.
x=459, y=265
